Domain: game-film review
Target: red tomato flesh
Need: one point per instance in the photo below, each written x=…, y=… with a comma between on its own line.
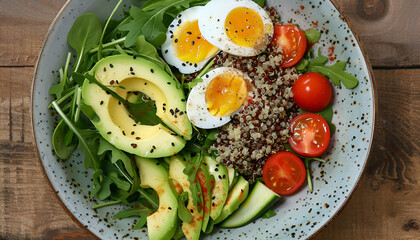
x=293, y=42
x=284, y=173
x=310, y=134
x=312, y=92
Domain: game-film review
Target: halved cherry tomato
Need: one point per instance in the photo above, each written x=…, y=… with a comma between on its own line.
x=310, y=134
x=293, y=42
x=284, y=173
x=312, y=92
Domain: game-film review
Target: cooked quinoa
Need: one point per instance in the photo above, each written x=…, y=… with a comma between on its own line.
x=261, y=128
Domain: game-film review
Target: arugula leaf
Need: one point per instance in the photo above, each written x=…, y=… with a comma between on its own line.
x=143, y=111
x=111, y=178
x=147, y=51
x=59, y=88
x=105, y=27
x=335, y=72
x=268, y=214
x=312, y=35
x=183, y=212
x=83, y=35
x=116, y=155
x=139, y=211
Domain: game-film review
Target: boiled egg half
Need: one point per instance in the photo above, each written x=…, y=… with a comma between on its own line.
x=212, y=102
x=238, y=27
x=185, y=48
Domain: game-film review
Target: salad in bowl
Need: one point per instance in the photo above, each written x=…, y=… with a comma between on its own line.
x=191, y=118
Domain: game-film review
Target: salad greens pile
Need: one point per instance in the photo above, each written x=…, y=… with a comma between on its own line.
x=140, y=33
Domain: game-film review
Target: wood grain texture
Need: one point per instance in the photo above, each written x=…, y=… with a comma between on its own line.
x=385, y=205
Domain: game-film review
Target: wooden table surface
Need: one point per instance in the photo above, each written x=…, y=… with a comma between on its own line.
x=386, y=204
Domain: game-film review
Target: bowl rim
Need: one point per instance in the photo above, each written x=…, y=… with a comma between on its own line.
x=332, y=218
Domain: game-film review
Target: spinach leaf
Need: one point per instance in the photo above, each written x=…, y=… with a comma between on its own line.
x=83, y=35
x=62, y=150
x=183, y=212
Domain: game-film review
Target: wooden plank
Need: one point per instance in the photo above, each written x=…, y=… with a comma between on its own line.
x=388, y=29
x=15, y=87
x=386, y=204
x=23, y=25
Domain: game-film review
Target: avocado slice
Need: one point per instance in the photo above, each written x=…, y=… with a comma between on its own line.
x=113, y=121
x=233, y=176
x=176, y=172
x=163, y=223
x=206, y=181
x=220, y=190
x=236, y=196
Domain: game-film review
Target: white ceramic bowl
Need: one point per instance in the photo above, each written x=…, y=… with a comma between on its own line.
x=299, y=216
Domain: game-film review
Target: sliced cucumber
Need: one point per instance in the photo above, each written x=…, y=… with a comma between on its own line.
x=259, y=200
x=236, y=196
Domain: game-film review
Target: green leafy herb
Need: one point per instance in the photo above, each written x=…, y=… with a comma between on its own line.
x=260, y=2
x=142, y=111
x=105, y=27
x=312, y=35
x=268, y=214
x=183, y=212
x=59, y=88
x=335, y=72
x=139, y=211
x=62, y=150
x=308, y=173
x=83, y=35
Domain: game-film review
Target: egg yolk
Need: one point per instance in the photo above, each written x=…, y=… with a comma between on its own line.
x=244, y=27
x=225, y=94
x=190, y=46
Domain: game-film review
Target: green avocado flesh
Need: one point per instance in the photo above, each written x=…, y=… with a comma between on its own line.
x=176, y=172
x=115, y=124
x=163, y=223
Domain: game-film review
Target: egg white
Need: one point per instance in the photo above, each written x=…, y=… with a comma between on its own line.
x=212, y=26
x=168, y=52
x=196, y=103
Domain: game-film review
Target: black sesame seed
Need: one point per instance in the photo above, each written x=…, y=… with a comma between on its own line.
x=102, y=102
x=134, y=125
x=151, y=150
x=183, y=100
x=158, y=163
x=220, y=177
x=192, y=43
x=181, y=113
x=132, y=73
x=189, y=32
x=192, y=211
x=176, y=40
x=123, y=133
x=138, y=138
x=153, y=147
x=134, y=145
x=134, y=57
x=145, y=83
x=176, y=110
x=214, y=197
x=108, y=133
x=164, y=104
x=104, y=69
x=164, y=109
x=224, y=176
x=151, y=70
x=169, y=208
x=173, y=144
x=166, y=51
x=169, y=83
x=172, y=111
x=131, y=69
x=132, y=133
x=216, y=169
x=198, y=37
x=110, y=65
